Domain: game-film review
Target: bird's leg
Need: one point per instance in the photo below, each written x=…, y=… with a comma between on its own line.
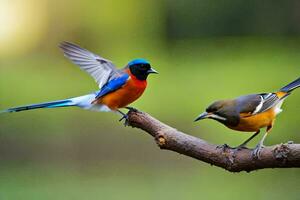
x=260, y=145
x=124, y=116
x=243, y=145
x=132, y=109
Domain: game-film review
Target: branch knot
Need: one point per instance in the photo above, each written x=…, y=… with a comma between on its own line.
x=281, y=152
x=161, y=140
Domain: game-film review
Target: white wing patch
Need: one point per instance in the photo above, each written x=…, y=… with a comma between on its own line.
x=269, y=101
x=259, y=106
x=268, y=95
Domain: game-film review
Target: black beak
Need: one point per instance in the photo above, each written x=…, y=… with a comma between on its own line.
x=203, y=115
x=152, y=71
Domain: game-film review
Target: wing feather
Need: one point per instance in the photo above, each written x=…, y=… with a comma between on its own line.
x=112, y=85
x=101, y=69
x=257, y=103
x=269, y=101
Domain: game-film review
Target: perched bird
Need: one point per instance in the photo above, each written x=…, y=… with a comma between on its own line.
x=118, y=87
x=250, y=113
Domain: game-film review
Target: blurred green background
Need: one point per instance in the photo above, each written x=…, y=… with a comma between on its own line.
x=204, y=50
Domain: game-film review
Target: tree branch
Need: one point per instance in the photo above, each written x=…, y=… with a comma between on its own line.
x=278, y=156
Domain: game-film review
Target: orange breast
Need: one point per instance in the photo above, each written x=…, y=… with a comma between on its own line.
x=127, y=94
x=255, y=122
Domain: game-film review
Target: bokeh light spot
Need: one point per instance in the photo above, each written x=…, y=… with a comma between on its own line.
x=22, y=25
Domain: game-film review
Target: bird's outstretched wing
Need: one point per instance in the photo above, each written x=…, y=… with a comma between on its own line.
x=257, y=103
x=101, y=69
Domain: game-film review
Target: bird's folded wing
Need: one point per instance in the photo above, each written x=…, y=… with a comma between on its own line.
x=269, y=100
x=113, y=85
x=257, y=103
x=101, y=69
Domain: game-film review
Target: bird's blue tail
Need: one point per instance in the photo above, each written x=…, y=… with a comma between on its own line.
x=84, y=102
x=53, y=104
x=291, y=86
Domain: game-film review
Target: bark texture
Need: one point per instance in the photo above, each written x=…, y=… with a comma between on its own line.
x=277, y=156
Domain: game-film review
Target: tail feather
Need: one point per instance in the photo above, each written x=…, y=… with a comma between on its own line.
x=84, y=102
x=53, y=104
x=291, y=86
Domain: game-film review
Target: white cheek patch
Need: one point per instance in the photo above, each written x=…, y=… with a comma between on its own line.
x=214, y=116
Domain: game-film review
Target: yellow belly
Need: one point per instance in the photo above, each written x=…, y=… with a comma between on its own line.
x=255, y=122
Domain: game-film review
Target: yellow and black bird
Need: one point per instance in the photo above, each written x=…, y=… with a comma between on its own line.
x=250, y=113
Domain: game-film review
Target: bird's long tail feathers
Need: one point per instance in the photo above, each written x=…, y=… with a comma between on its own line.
x=53, y=104
x=291, y=86
x=82, y=101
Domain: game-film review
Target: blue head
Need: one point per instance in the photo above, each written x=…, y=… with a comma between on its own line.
x=141, y=68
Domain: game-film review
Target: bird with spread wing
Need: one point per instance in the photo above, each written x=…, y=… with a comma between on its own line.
x=118, y=87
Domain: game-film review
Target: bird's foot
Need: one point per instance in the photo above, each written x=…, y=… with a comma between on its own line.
x=125, y=117
x=257, y=150
x=236, y=149
x=131, y=109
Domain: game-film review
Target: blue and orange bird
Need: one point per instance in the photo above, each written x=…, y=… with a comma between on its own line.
x=118, y=87
x=250, y=113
